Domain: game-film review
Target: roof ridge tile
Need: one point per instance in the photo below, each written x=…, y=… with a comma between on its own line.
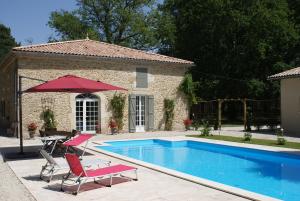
x=89, y=47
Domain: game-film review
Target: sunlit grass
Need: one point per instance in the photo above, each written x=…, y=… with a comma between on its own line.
x=293, y=145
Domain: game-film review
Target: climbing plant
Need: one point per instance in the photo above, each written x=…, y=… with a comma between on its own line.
x=188, y=87
x=117, y=104
x=169, y=113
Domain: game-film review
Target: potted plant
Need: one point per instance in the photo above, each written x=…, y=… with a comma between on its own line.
x=113, y=126
x=31, y=129
x=98, y=129
x=187, y=123
x=49, y=121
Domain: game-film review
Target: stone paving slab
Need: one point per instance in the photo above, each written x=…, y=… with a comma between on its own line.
x=10, y=186
x=151, y=186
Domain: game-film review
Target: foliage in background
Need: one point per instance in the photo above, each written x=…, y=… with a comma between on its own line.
x=128, y=23
x=49, y=120
x=189, y=87
x=7, y=41
x=235, y=44
x=169, y=106
x=117, y=104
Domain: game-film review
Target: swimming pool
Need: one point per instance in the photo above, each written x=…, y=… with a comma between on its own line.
x=269, y=173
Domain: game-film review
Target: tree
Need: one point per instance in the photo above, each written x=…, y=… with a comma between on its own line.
x=6, y=41
x=68, y=26
x=125, y=22
x=235, y=44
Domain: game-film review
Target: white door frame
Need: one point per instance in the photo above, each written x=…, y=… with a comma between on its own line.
x=140, y=113
x=84, y=112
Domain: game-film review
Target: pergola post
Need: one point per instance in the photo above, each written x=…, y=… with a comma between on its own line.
x=219, y=113
x=245, y=113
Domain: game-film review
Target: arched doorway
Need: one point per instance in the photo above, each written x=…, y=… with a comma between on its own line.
x=87, y=112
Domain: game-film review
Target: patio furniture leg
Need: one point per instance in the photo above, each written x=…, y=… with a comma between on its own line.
x=43, y=169
x=110, y=182
x=51, y=172
x=79, y=185
x=136, y=176
x=64, y=178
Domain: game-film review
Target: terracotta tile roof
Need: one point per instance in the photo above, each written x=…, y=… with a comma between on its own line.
x=292, y=73
x=88, y=47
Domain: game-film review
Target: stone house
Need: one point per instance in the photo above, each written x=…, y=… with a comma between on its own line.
x=148, y=77
x=290, y=100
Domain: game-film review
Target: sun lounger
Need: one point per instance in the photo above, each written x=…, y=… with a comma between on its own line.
x=52, y=165
x=78, y=140
x=82, y=175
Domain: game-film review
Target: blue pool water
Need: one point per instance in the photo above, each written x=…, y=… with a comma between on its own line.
x=268, y=173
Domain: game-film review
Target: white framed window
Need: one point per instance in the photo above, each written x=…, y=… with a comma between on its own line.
x=140, y=113
x=87, y=113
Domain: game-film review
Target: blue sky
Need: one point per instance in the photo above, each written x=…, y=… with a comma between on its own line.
x=28, y=19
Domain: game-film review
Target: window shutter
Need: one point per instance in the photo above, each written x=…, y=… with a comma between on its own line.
x=142, y=78
x=131, y=113
x=150, y=112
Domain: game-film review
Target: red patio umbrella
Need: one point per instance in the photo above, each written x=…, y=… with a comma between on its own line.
x=67, y=83
x=73, y=84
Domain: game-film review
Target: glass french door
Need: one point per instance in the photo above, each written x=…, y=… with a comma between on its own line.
x=87, y=113
x=140, y=114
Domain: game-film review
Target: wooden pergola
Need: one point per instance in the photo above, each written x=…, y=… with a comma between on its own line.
x=221, y=101
x=212, y=109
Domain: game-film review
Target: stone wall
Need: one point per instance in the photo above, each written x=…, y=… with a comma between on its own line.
x=8, y=94
x=290, y=106
x=164, y=79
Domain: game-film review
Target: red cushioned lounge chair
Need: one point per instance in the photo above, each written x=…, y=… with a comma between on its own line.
x=54, y=165
x=78, y=140
x=82, y=175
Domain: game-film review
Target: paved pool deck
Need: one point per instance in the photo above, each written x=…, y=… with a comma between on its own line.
x=22, y=181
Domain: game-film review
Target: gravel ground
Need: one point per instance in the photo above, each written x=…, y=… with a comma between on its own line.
x=10, y=186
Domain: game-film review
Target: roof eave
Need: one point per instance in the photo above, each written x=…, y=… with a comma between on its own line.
x=282, y=77
x=21, y=52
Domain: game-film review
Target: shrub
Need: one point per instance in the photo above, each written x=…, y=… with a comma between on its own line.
x=196, y=124
x=280, y=137
x=169, y=113
x=247, y=136
x=206, y=128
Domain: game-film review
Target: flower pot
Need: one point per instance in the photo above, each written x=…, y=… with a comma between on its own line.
x=50, y=129
x=31, y=133
x=113, y=130
x=187, y=127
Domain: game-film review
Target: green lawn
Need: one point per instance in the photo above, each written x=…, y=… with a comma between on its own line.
x=273, y=143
